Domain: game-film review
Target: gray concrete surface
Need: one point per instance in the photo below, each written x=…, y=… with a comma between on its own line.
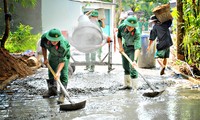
x=180, y=100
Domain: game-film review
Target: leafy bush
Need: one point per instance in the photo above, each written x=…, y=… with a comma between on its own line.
x=22, y=40
x=191, y=41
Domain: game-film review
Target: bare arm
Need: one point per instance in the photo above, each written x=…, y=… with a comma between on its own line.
x=121, y=49
x=44, y=52
x=60, y=67
x=103, y=23
x=119, y=22
x=88, y=13
x=149, y=46
x=136, y=54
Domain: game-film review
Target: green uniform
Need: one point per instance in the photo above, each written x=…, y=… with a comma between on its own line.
x=132, y=41
x=91, y=57
x=57, y=54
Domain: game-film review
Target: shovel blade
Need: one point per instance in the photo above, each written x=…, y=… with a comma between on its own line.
x=153, y=94
x=73, y=106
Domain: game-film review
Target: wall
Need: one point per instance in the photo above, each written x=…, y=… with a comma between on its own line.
x=26, y=16
x=62, y=14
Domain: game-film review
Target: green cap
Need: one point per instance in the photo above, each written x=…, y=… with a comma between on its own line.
x=94, y=13
x=54, y=35
x=131, y=21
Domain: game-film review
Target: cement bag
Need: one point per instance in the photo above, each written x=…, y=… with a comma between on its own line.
x=87, y=36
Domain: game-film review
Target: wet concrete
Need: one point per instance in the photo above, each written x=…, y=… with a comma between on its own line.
x=180, y=100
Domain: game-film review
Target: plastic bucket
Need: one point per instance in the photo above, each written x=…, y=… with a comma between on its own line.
x=146, y=59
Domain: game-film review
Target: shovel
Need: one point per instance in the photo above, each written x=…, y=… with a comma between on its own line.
x=73, y=105
x=149, y=94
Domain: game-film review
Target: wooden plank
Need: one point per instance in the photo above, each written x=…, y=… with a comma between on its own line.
x=6, y=82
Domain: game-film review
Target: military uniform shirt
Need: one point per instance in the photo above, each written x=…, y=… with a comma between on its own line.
x=131, y=38
x=59, y=52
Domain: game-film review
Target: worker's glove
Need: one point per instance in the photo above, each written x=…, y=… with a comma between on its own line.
x=108, y=39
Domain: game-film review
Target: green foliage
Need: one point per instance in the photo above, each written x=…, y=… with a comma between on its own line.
x=107, y=0
x=146, y=8
x=157, y=1
x=191, y=41
x=22, y=40
x=27, y=3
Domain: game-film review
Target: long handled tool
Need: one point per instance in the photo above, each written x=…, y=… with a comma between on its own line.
x=73, y=105
x=149, y=94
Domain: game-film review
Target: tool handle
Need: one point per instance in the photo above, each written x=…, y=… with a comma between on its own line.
x=58, y=80
x=130, y=61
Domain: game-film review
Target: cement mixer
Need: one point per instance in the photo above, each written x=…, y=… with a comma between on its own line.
x=87, y=37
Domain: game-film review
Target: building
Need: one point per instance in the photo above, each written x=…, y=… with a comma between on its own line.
x=62, y=14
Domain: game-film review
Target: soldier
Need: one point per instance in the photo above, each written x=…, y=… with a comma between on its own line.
x=131, y=46
x=58, y=58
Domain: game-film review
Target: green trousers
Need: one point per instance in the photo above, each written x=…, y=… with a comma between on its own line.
x=90, y=57
x=128, y=70
x=99, y=52
x=53, y=61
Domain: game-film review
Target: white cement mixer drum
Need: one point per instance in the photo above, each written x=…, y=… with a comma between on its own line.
x=87, y=37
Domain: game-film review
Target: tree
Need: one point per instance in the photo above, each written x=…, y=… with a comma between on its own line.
x=7, y=23
x=180, y=30
x=24, y=3
x=11, y=67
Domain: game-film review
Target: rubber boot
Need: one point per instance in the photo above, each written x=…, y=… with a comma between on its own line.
x=134, y=84
x=87, y=67
x=61, y=98
x=52, y=89
x=91, y=68
x=127, y=82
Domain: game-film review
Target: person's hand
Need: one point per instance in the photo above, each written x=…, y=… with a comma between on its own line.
x=57, y=76
x=108, y=39
x=148, y=48
x=134, y=64
x=46, y=61
x=115, y=29
x=102, y=19
x=121, y=49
